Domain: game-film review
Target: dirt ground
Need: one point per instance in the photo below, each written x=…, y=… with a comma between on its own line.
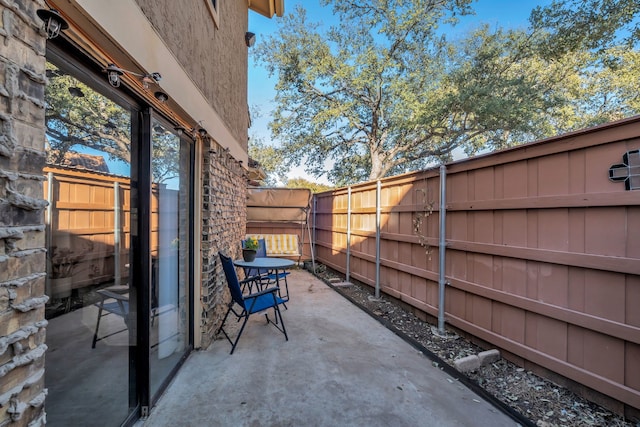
x=541, y=401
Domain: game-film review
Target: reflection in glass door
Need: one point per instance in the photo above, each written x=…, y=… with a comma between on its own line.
x=170, y=169
x=87, y=184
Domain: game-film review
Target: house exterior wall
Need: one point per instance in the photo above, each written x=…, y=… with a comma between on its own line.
x=22, y=231
x=204, y=72
x=213, y=90
x=157, y=46
x=214, y=57
x=542, y=255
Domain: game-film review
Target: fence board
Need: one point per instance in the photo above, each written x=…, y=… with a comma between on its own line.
x=542, y=258
x=81, y=243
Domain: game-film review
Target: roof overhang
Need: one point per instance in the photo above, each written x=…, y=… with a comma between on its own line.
x=267, y=7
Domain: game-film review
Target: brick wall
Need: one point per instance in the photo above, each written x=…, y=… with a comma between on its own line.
x=223, y=226
x=22, y=230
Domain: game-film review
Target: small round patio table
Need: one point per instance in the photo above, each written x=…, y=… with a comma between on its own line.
x=265, y=263
x=269, y=264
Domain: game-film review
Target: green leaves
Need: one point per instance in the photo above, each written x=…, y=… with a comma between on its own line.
x=581, y=25
x=77, y=115
x=384, y=92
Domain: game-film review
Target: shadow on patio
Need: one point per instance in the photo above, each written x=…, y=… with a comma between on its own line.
x=339, y=367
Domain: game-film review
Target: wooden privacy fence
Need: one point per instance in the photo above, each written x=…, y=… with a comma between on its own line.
x=542, y=253
x=89, y=228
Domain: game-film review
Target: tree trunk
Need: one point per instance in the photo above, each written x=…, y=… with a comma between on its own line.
x=377, y=166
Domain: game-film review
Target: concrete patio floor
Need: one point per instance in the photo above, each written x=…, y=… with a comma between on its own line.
x=340, y=367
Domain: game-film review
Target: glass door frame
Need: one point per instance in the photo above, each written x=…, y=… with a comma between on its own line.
x=148, y=117
x=62, y=52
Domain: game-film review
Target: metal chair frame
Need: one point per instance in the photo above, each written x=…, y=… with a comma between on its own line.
x=251, y=303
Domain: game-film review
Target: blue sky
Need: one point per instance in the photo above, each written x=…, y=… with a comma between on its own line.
x=506, y=13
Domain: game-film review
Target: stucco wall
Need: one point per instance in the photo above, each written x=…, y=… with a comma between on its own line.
x=214, y=57
x=22, y=232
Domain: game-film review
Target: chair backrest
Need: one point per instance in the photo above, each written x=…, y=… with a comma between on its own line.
x=262, y=249
x=232, y=279
x=261, y=252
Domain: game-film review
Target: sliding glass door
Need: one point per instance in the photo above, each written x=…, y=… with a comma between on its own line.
x=119, y=181
x=170, y=242
x=87, y=184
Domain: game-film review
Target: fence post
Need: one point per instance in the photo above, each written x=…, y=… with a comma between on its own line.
x=378, y=239
x=315, y=241
x=116, y=232
x=442, y=280
x=348, y=233
x=49, y=230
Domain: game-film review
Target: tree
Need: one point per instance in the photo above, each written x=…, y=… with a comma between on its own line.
x=587, y=25
x=165, y=159
x=268, y=157
x=304, y=183
x=78, y=115
x=606, y=34
x=79, y=120
x=386, y=93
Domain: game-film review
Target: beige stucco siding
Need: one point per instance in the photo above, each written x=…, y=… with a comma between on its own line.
x=214, y=57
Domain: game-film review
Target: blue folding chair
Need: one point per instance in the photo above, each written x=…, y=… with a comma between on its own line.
x=274, y=277
x=113, y=300
x=252, y=303
x=262, y=277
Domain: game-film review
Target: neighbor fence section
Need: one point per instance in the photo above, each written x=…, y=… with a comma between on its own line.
x=87, y=229
x=408, y=262
x=542, y=251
